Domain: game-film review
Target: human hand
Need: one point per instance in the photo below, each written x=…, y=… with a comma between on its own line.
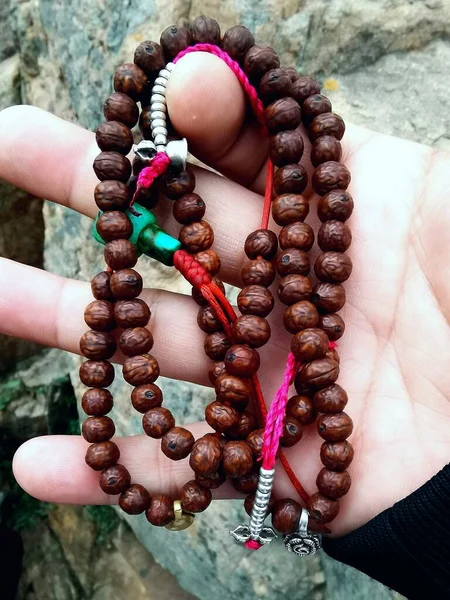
x=394, y=354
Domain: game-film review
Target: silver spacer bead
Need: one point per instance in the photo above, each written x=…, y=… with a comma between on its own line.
x=170, y=66
x=158, y=123
x=161, y=148
x=262, y=499
x=160, y=139
x=164, y=73
x=159, y=129
x=158, y=106
x=159, y=89
x=157, y=114
x=158, y=98
x=160, y=81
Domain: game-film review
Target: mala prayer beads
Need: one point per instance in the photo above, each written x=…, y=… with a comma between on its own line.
x=247, y=438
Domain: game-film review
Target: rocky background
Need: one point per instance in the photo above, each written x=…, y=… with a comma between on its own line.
x=384, y=64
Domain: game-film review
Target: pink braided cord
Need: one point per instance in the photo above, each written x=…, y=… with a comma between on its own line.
x=147, y=176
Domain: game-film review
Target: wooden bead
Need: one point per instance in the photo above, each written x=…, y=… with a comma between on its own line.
x=246, y=484
x=145, y=397
x=120, y=107
x=115, y=480
x=194, y=497
x=177, y=443
x=189, y=208
x=328, y=297
x=334, y=236
x=216, y=370
x=96, y=373
x=251, y=330
x=112, y=165
x=98, y=429
x=112, y=195
x=206, y=455
x=114, y=135
x=324, y=149
x=97, y=402
x=334, y=267
x=198, y=297
x=297, y=235
x=293, y=261
x=333, y=484
x=286, y=515
x=114, y=225
x=134, y=500
x=336, y=205
x=292, y=73
x=196, y=236
x=335, y=427
x=336, y=456
x=258, y=60
x=326, y=124
x=120, y=254
x=333, y=326
x=304, y=87
x=286, y=147
x=237, y=41
x=220, y=417
x=250, y=500
x=255, y=300
x=126, y=284
x=102, y=455
x=131, y=80
x=237, y=458
x=331, y=399
x=283, y=114
x=205, y=30
x=292, y=432
x=131, y=313
x=207, y=320
x=100, y=287
x=160, y=512
x=136, y=340
x=216, y=345
x=301, y=315
x=220, y=438
x=261, y=242
x=294, y=288
x=309, y=344
x=313, y=106
x=319, y=373
x=334, y=355
x=255, y=440
x=175, y=185
x=212, y=482
x=322, y=509
x=330, y=176
x=209, y=261
x=258, y=272
x=288, y=208
x=241, y=360
x=275, y=84
x=157, y=421
x=246, y=423
x=173, y=40
x=301, y=407
x=303, y=388
x=97, y=345
x=99, y=315
x=140, y=369
x=233, y=390
x=150, y=58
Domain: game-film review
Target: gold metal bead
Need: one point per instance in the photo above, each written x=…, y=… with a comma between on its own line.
x=182, y=520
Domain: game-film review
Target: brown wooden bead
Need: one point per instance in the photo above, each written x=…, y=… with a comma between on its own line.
x=120, y=107
x=175, y=185
x=258, y=272
x=335, y=427
x=291, y=72
x=134, y=500
x=205, y=30
x=330, y=176
x=237, y=458
x=241, y=360
x=100, y=287
x=251, y=330
x=131, y=80
x=194, y=497
x=212, y=482
x=220, y=417
x=207, y=320
x=216, y=345
x=145, y=125
x=173, y=40
x=98, y=429
x=140, y=369
x=322, y=509
x=336, y=456
x=113, y=225
x=209, y=261
x=326, y=124
x=97, y=373
x=303, y=388
x=294, y=288
x=258, y=60
x=220, y=438
x=99, y=315
x=246, y=423
x=136, y=340
x=198, y=297
x=331, y=399
x=324, y=149
x=177, y=443
x=237, y=41
x=216, y=370
x=333, y=326
x=334, y=236
x=334, y=267
x=111, y=195
x=292, y=432
x=102, y=455
x=113, y=135
x=309, y=344
x=196, y=236
x=149, y=57
x=336, y=205
x=261, y=242
x=288, y=208
x=189, y=208
x=297, y=235
x=333, y=484
x=255, y=440
x=120, y=254
x=112, y=165
x=131, y=313
x=157, y=421
x=97, y=402
x=250, y=500
x=301, y=407
x=319, y=373
x=283, y=114
x=126, y=284
x=206, y=455
x=286, y=515
x=275, y=84
x=304, y=87
x=160, y=512
x=334, y=355
x=233, y=390
x=328, y=297
x=145, y=397
x=246, y=484
x=255, y=300
x=301, y=315
x=97, y=345
x=293, y=261
x=313, y=106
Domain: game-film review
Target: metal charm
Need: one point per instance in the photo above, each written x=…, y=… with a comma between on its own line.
x=182, y=520
x=145, y=150
x=242, y=534
x=177, y=151
x=303, y=542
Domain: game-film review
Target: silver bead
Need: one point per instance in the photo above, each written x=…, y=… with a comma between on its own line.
x=158, y=123
x=177, y=151
x=161, y=81
x=262, y=499
x=161, y=148
x=158, y=106
x=159, y=129
x=158, y=98
x=164, y=73
x=170, y=66
x=157, y=114
x=160, y=139
x=159, y=89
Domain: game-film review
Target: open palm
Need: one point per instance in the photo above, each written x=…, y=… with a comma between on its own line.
x=394, y=355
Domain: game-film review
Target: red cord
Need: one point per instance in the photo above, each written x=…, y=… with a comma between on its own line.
x=267, y=196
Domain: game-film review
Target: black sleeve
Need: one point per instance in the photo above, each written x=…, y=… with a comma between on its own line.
x=406, y=547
